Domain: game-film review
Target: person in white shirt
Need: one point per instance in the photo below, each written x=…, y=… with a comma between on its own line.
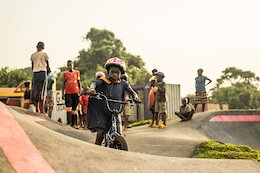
x=40, y=64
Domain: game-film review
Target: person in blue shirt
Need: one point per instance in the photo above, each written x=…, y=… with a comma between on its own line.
x=49, y=103
x=201, y=94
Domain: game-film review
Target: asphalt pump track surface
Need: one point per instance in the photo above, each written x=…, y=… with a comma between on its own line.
x=30, y=142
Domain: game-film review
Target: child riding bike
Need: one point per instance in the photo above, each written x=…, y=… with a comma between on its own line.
x=99, y=117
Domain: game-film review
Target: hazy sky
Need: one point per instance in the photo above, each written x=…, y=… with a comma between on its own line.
x=174, y=36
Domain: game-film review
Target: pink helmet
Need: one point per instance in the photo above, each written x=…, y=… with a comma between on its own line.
x=116, y=62
x=100, y=74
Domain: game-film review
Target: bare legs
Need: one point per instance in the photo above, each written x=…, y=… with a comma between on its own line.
x=203, y=107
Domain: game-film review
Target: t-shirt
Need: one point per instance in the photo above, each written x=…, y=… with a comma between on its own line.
x=27, y=94
x=188, y=108
x=84, y=103
x=160, y=94
x=39, y=59
x=71, y=81
x=200, y=83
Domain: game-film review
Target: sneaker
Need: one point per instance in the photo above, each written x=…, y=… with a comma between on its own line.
x=154, y=126
x=162, y=126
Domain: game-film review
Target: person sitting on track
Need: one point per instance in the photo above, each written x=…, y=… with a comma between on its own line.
x=186, y=110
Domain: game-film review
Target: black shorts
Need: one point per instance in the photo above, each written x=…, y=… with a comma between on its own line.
x=72, y=100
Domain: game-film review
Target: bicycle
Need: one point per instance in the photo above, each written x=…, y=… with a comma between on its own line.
x=113, y=138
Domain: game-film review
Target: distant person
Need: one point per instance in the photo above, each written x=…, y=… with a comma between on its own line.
x=25, y=88
x=49, y=98
x=201, y=94
x=83, y=100
x=70, y=92
x=160, y=102
x=153, y=75
x=27, y=93
x=127, y=107
x=151, y=102
x=186, y=110
x=40, y=64
x=100, y=74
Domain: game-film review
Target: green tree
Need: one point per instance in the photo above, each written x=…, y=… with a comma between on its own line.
x=13, y=77
x=104, y=45
x=237, y=88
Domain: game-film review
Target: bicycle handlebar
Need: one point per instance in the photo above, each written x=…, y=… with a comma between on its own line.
x=101, y=96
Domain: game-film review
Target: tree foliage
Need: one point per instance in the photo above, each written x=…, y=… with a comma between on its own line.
x=237, y=88
x=13, y=77
x=104, y=45
x=232, y=76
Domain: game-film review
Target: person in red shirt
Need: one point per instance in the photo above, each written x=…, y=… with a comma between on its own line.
x=70, y=92
x=84, y=107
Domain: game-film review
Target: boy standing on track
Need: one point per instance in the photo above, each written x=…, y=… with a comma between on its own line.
x=83, y=100
x=151, y=103
x=99, y=118
x=49, y=98
x=160, y=102
x=70, y=92
x=127, y=107
x=40, y=64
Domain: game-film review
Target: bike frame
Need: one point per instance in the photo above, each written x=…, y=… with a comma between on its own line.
x=112, y=133
x=115, y=119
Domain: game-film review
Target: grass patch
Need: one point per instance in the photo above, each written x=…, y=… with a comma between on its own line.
x=144, y=122
x=140, y=123
x=218, y=150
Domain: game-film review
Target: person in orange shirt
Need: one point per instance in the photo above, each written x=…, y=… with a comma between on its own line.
x=151, y=102
x=70, y=92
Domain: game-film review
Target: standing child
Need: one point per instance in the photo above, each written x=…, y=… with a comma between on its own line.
x=160, y=103
x=40, y=64
x=153, y=75
x=83, y=100
x=151, y=102
x=70, y=92
x=127, y=107
x=99, y=118
x=49, y=98
x=201, y=94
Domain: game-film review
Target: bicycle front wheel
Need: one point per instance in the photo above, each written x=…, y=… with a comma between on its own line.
x=120, y=143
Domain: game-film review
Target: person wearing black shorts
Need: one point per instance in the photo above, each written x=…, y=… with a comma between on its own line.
x=70, y=92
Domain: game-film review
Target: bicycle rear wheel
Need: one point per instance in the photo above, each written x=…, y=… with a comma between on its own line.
x=120, y=143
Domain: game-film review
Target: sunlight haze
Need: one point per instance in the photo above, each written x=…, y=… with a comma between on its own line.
x=176, y=37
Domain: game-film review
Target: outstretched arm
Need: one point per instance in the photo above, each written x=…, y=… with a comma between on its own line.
x=209, y=81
